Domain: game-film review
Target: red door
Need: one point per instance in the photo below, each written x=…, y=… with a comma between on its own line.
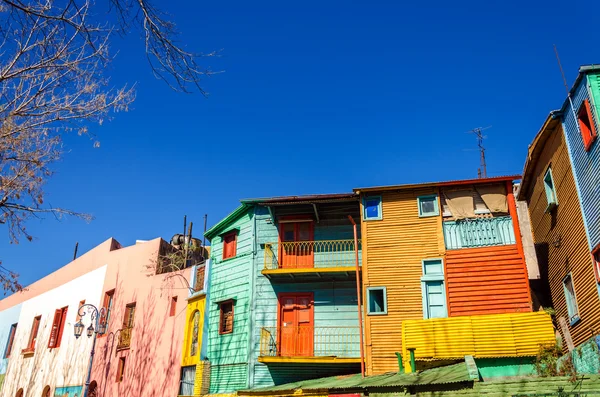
x=296, y=248
x=296, y=330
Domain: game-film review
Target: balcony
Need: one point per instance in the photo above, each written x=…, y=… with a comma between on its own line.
x=124, y=339
x=305, y=260
x=305, y=344
x=479, y=232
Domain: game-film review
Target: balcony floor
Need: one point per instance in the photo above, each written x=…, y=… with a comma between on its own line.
x=308, y=360
x=311, y=274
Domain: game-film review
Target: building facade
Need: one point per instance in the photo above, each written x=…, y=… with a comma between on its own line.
x=284, y=303
x=441, y=263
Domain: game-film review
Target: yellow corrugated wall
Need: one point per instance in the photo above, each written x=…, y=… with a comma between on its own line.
x=493, y=335
x=392, y=252
x=193, y=304
x=560, y=238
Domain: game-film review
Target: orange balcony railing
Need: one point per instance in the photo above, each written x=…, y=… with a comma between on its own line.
x=310, y=341
x=311, y=254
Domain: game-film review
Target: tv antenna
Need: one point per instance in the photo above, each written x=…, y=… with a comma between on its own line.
x=482, y=170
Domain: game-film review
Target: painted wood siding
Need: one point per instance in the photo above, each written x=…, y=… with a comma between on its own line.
x=335, y=305
x=486, y=280
x=565, y=227
x=586, y=165
x=230, y=278
x=393, y=249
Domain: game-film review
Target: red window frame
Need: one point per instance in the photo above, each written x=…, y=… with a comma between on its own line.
x=120, y=370
x=35, y=327
x=11, y=340
x=586, y=125
x=596, y=263
x=58, y=326
x=109, y=298
x=173, y=307
x=129, y=316
x=223, y=329
x=229, y=244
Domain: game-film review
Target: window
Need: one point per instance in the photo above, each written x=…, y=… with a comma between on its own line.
x=121, y=369
x=571, y=300
x=586, y=125
x=372, y=208
x=109, y=297
x=596, y=262
x=226, y=317
x=11, y=340
x=129, y=315
x=195, y=332
x=19, y=393
x=229, y=244
x=376, y=300
x=33, y=335
x=58, y=325
x=428, y=205
x=173, y=308
x=46, y=392
x=188, y=375
x=81, y=303
x=550, y=190
x=433, y=289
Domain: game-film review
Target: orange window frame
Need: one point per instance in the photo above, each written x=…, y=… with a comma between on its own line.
x=222, y=330
x=107, y=305
x=120, y=370
x=35, y=327
x=173, y=307
x=229, y=245
x=129, y=316
x=586, y=125
x=58, y=326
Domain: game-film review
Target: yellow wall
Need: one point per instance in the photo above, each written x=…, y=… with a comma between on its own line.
x=393, y=249
x=194, y=303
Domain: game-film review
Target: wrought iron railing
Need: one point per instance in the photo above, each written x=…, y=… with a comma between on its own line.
x=479, y=232
x=311, y=254
x=285, y=341
x=124, y=338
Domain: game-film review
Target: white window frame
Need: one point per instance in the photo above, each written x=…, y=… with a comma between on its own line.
x=573, y=317
x=436, y=212
x=385, y=305
x=380, y=207
x=432, y=277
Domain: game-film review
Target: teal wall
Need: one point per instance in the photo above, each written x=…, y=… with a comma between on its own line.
x=490, y=368
x=586, y=357
x=231, y=278
x=8, y=317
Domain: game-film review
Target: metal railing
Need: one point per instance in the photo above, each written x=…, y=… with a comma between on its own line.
x=310, y=254
x=124, y=338
x=479, y=232
x=286, y=341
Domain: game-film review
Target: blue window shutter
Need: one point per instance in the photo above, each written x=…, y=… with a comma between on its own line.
x=435, y=298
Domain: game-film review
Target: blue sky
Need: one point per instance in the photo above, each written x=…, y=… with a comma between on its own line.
x=315, y=97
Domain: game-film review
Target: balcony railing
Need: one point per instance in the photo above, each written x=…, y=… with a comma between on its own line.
x=310, y=254
x=479, y=232
x=310, y=342
x=124, y=338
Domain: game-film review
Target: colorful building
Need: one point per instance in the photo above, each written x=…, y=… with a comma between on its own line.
x=443, y=266
x=559, y=231
x=580, y=116
x=284, y=302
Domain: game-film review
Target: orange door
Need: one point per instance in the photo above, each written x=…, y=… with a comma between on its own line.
x=296, y=331
x=296, y=245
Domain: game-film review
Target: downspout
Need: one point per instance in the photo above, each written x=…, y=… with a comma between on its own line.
x=359, y=306
x=251, y=304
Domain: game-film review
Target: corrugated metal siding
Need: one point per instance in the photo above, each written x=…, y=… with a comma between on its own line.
x=392, y=252
x=586, y=166
x=494, y=335
x=564, y=228
x=230, y=279
x=269, y=375
x=228, y=378
x=486, y=280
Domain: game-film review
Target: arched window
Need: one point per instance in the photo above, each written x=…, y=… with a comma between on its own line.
x=46, y=392
x=19, y=393
x=93, y=390
x=195, y=331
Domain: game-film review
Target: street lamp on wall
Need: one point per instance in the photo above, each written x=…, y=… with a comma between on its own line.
x=98, y=318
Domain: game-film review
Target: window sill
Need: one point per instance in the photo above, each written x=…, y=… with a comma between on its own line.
x=28, y=352
x=575, y=320
x=377, y=314
x=228, y=259
x=428, y=215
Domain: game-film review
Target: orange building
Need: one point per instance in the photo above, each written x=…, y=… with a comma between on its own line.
x=442, y=263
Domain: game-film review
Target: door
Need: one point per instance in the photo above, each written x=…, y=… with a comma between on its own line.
x=296, y=330
x=296, y=244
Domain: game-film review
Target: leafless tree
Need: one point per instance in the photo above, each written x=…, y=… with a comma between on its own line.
x=53, y=58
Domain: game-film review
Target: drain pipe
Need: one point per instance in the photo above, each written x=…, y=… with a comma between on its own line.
x=360, y=323
x=413, y=364
x=400, y=363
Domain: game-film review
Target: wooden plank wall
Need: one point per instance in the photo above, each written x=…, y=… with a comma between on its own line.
x=487, y=280
x=393, y=249
x=560, y=238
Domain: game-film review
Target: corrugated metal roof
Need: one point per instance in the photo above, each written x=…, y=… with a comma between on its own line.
x=309, y=198
x=456, y=373
x=441, y=183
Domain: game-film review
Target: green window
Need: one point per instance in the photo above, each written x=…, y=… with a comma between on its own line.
x=428, y=205
x=550, y=189
x=571, y=299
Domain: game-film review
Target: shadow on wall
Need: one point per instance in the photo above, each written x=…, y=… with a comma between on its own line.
x=541, y=288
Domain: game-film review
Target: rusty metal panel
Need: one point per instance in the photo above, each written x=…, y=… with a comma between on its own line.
x=493, y=335
x=392, y=252
x=486, y=280
x=560, y=238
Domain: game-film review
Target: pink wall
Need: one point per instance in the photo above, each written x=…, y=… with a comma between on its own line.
x=152, y=366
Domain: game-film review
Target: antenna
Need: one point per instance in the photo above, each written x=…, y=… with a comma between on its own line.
x=482, y=170
x=567, y=88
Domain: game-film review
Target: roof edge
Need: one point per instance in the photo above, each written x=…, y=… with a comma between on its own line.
x=439, y=184
x=212, y=232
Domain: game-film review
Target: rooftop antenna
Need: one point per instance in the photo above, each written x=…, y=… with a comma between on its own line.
x=482, y=170
x=562, y=72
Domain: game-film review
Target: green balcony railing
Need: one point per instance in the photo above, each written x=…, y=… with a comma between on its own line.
x=479, y=232
x=307, y=341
